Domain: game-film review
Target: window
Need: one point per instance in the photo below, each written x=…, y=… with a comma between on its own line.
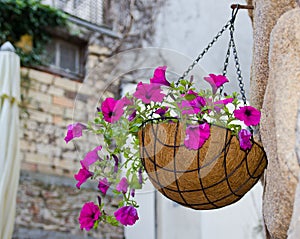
x=65, y=58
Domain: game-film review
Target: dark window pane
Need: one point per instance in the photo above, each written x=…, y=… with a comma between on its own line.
x=68, y=57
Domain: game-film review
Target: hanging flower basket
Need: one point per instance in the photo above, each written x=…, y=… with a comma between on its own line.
x=216, y=175
x=196, y=145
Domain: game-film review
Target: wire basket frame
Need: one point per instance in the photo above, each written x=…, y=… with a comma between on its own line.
x=218, y=174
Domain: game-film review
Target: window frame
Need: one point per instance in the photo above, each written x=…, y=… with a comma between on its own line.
x=81, y=56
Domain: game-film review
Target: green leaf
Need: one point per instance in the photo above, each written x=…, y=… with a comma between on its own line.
x=134, y=183
x=112, y=220
x=190, y=97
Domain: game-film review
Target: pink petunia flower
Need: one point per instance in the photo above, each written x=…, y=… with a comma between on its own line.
x=191, y=92
x=124, y=102
x=192, y=106
x=122, y=185
x=89, y=214
x=248, y=114
x=74, y=131
x=82, y=175
x=216, y=81
x=159, y=76
x=244, y=138
x=103, y=186
x=112, y=109
x=148, y=93
x=218, y=105
x=198, y=103
x=91, y=157
x=186, y=108
x=196, y=135
x=127, y=215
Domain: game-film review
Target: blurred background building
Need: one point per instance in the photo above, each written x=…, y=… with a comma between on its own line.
x=105, y=42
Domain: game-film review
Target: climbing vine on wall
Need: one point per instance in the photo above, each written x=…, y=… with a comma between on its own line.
x=25, y=24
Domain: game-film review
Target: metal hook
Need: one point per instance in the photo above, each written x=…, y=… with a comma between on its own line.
x=234, y=12
x=234, y=6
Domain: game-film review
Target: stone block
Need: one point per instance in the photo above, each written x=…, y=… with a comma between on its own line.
x=44, y=88
x=41, y=76
x=38, y=158
x=55, y=110
x=278, y=124
x=66, y=84
x=39, y=116
x=49, y=169
x=39, y=96
x=92, y=62
x=27, y=146
x=28, y=166
x=63, y=101
x=98, y=50
x=53, y=90
x=58, y=120
x=48, y=150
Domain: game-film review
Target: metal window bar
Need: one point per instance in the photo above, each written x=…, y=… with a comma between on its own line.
x=88, y=10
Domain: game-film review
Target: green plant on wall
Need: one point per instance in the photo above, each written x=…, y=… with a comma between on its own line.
x=25, y=24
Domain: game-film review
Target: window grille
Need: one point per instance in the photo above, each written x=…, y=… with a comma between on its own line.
x=88, y=10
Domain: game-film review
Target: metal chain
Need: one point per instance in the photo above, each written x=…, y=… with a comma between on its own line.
x=195, y=62
x=225, y=65
x=226, y=60
x=237, y=65
x=232, y=45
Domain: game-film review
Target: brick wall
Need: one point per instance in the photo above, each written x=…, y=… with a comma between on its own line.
x=48, y=201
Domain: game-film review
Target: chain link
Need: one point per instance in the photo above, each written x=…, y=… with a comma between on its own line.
x=225, y=65
x=232, y=45
x=200, y=56
x=237, y=65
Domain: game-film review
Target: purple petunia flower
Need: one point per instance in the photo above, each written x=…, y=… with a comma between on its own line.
x=216, y=81
x=248, y=114
x=132, y=192
x=116, y=167
x=89, y=214
x=82, y=175
x=162, y=111
x=127, y=215
x=148, y=93
x=103, y=186
x=244, y=138
x=218, y=105
x=132, y=115
x=91, y=157
x=74, y=131
x=196, y=135
x=140, y=172
x=122, y=185
x=159, y=76
x=112, y=110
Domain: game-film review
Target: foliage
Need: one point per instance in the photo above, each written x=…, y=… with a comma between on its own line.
x=119, y=122
x=28, y=18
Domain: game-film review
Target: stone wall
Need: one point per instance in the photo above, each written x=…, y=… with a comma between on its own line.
x=48, y=208
x=48, y=203
x=55, y=102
